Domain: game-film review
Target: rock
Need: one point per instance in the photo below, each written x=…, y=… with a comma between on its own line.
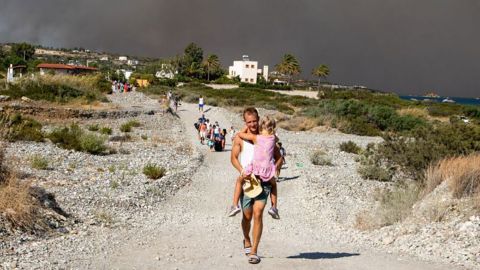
x=26, y=99
x=4, y=98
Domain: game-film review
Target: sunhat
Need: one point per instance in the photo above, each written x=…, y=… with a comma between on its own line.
x=252, y=187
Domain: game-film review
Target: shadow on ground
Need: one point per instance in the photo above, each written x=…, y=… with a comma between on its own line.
x=288, y=178
x=322, y=255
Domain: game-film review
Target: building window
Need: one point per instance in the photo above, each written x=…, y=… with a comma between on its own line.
x=251, y=80
x=246, y=66
x=246, y=79
x=253, y=66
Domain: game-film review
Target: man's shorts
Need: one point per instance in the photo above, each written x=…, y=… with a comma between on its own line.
x=248, y=202
x=200, y=105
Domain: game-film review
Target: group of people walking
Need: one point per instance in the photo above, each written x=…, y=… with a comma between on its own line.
x=120, y=87
x=211, y=134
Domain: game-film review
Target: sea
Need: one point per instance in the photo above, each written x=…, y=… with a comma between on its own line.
x=458, y=100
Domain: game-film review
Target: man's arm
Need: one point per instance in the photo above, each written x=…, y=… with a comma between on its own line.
x=236, y=149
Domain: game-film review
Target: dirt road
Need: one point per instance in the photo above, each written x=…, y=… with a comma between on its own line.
x=193, y=231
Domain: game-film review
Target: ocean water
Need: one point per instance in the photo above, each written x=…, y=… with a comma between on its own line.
x=458, y=100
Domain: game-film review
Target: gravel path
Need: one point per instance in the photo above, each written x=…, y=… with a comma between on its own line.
x=180, y=222
x=193, y=231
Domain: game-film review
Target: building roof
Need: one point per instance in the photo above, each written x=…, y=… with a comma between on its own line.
x=63, y=66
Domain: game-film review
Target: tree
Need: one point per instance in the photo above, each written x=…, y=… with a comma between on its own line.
x=23, y=50
x=289, y=66
x=211, y=63
x=191, y=62
x=322, y=71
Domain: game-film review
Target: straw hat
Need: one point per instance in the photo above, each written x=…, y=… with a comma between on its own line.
x=252, y=187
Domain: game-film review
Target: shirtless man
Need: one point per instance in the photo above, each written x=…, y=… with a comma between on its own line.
x=241, y=155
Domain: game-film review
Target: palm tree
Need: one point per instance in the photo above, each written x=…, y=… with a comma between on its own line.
x=289, y=66
x=321, y=71
x=211, y=63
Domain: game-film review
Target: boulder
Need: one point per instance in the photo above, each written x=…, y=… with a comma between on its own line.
x=4, y=98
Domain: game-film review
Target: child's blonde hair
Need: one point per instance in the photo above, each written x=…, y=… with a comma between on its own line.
x=268, y=124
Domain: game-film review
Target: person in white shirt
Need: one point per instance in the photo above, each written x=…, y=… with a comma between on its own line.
x=200, y=104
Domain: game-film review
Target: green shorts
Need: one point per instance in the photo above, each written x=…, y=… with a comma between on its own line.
x=248, y=202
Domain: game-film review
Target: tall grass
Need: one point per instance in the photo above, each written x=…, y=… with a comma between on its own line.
x=60, y=88
x=462, y=175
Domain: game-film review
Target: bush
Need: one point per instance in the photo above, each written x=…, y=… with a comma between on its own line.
x=74, y=138
x=394, y=205
x=67, y=137
x=360, y=127
x=153, y=171
x=94, y=127
x=319, y=157
x=38, y=162
x=350, y=147
x=17, y=128
x=93, y=144
x=125, y=128
x=373, y=171
x=61, y=88
x=106, y=131
x=414, y=151
x=134, y=123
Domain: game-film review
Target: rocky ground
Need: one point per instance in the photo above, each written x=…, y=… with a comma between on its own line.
x=122, y=220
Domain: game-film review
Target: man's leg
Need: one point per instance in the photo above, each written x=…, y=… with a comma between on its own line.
x=258, y=207
x=246, y=224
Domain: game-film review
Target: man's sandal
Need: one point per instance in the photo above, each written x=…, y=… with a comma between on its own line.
x=246, y=249
x=253, y=259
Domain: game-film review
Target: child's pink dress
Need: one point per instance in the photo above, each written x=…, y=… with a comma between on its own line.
x=262, y=164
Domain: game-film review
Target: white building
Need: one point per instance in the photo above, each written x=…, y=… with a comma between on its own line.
x=166, y=71
x=247, y=70
x=122, y=58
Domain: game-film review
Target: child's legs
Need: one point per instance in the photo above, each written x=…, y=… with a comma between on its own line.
x=238, y=190
x=273, y=193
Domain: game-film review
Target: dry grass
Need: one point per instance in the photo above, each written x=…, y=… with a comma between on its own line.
x=394, y=206
x=462, y=175
x=18, y=207
x=21, y=205
x=298, y=124
x=85, y=83
x=416, y=112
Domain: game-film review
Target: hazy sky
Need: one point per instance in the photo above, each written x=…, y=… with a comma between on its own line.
x=406, y=46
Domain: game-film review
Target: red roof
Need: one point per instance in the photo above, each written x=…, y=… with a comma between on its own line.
x=63, y=66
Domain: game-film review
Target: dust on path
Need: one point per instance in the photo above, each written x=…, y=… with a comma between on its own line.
x=193, y=232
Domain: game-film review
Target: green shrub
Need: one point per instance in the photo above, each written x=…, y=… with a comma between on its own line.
x=18, y=128
x=74, y=138
x=350, y=147
x=60, y=88
x=106, y=131
x=414, y=151
x=319, y=157
x=144, y=137
x=373, y=171
x=134, y=123
x=94, y=127
x=359, y=126
x=38, y=162
x=153, y=171
x=126, y=128
x=92, y=143
x=67, y=137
